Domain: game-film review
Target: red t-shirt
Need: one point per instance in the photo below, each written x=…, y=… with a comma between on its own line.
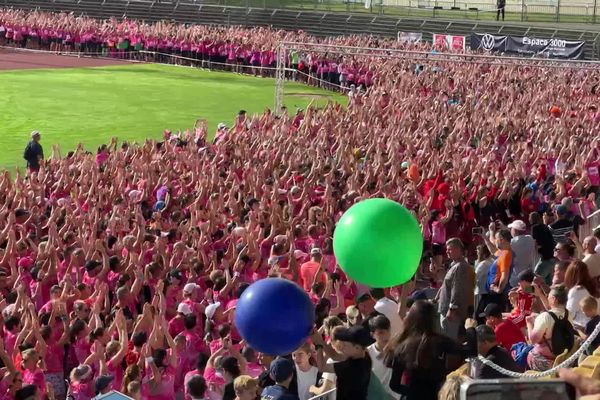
x=522, y=310
x=508, y=334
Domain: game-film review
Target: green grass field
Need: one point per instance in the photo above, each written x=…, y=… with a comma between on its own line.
x=132, y=102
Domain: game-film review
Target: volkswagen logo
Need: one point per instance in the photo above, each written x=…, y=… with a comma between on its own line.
x=488, y=41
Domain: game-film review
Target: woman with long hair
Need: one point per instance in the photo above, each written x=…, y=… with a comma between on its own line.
x=419, y=357
x=580, y=285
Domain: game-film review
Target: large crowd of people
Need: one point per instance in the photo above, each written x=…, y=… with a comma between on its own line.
x=121, y=268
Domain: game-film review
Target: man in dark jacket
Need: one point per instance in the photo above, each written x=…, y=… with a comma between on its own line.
x=487, y=346
x=34, y=153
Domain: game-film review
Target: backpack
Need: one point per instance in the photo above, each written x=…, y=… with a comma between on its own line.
x=519, y=352
x=27, y=154
x=563, y=334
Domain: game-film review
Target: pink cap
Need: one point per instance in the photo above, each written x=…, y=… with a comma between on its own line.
x=25, y=262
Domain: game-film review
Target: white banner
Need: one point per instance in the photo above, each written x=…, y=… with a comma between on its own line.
x=410, y=37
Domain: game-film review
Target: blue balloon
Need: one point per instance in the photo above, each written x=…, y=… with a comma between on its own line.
x=275, y=316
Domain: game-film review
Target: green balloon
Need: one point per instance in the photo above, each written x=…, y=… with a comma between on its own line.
x=378, y=243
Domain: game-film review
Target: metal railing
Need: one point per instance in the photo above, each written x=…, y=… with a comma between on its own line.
x=319, y=23
x=592, y=222
x=324, y=396
x=515, y=10
x=480, y=10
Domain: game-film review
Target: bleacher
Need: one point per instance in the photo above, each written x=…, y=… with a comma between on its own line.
x=315, y=22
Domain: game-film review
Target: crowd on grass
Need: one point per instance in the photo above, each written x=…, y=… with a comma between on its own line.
x=121, y=268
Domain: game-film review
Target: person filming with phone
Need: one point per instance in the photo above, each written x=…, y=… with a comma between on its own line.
x=497, y=284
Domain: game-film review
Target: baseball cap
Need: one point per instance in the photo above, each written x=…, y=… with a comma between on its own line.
x=189, y=288
x=355, y=334
x=491, y=310
x=315, y=251
x=281, y=369
x=299, y=254
x=25, y=262
x=102, y=382
x=184, y=308
x=211, y=309
x=518, y=225
x=221, y=125
x=35, y=133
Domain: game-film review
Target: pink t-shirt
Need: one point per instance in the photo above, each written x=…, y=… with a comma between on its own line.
x=166, y=388
x=82, y=391
x=117, y=372
x=54, y=357
x=593, y=173
x=254, y=369
x=35, y=377
x=176, y=326
x=82, y=349
x=438, y=234
x=210, y=375
x=4, y=388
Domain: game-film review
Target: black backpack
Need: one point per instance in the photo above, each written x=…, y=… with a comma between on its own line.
x=28, y=153
x=563, y=334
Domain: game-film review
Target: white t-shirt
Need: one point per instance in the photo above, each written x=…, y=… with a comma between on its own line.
x=330, y=376
x=544, y=323
x=305, y=381
x=593, y=263
x=389, y=308
x=576, y=294
x=380, y=370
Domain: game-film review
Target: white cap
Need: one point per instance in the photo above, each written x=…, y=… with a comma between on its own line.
x=211, y=309
x=221, y=125
x=35, y=133
x=299, y=254
x=190, y=288
x=238, y=231
x=315, y=251
x=518, y=225
x=8, y=311
x=280, y=239
x=184, y=308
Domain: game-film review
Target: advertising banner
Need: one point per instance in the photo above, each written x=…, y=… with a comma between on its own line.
x=410, y=37
x=527, y=46
x=552, y=48
x=449, y=42
x=488, y=42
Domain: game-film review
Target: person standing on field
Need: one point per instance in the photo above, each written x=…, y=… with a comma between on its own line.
x=34, y=153
x=500, y=4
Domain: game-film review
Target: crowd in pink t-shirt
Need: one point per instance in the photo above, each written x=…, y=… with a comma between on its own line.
x=251, y=47
x=122, y=269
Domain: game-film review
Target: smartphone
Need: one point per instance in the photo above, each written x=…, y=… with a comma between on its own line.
x=477, y=230
x=512, y=389
x=529, y=289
